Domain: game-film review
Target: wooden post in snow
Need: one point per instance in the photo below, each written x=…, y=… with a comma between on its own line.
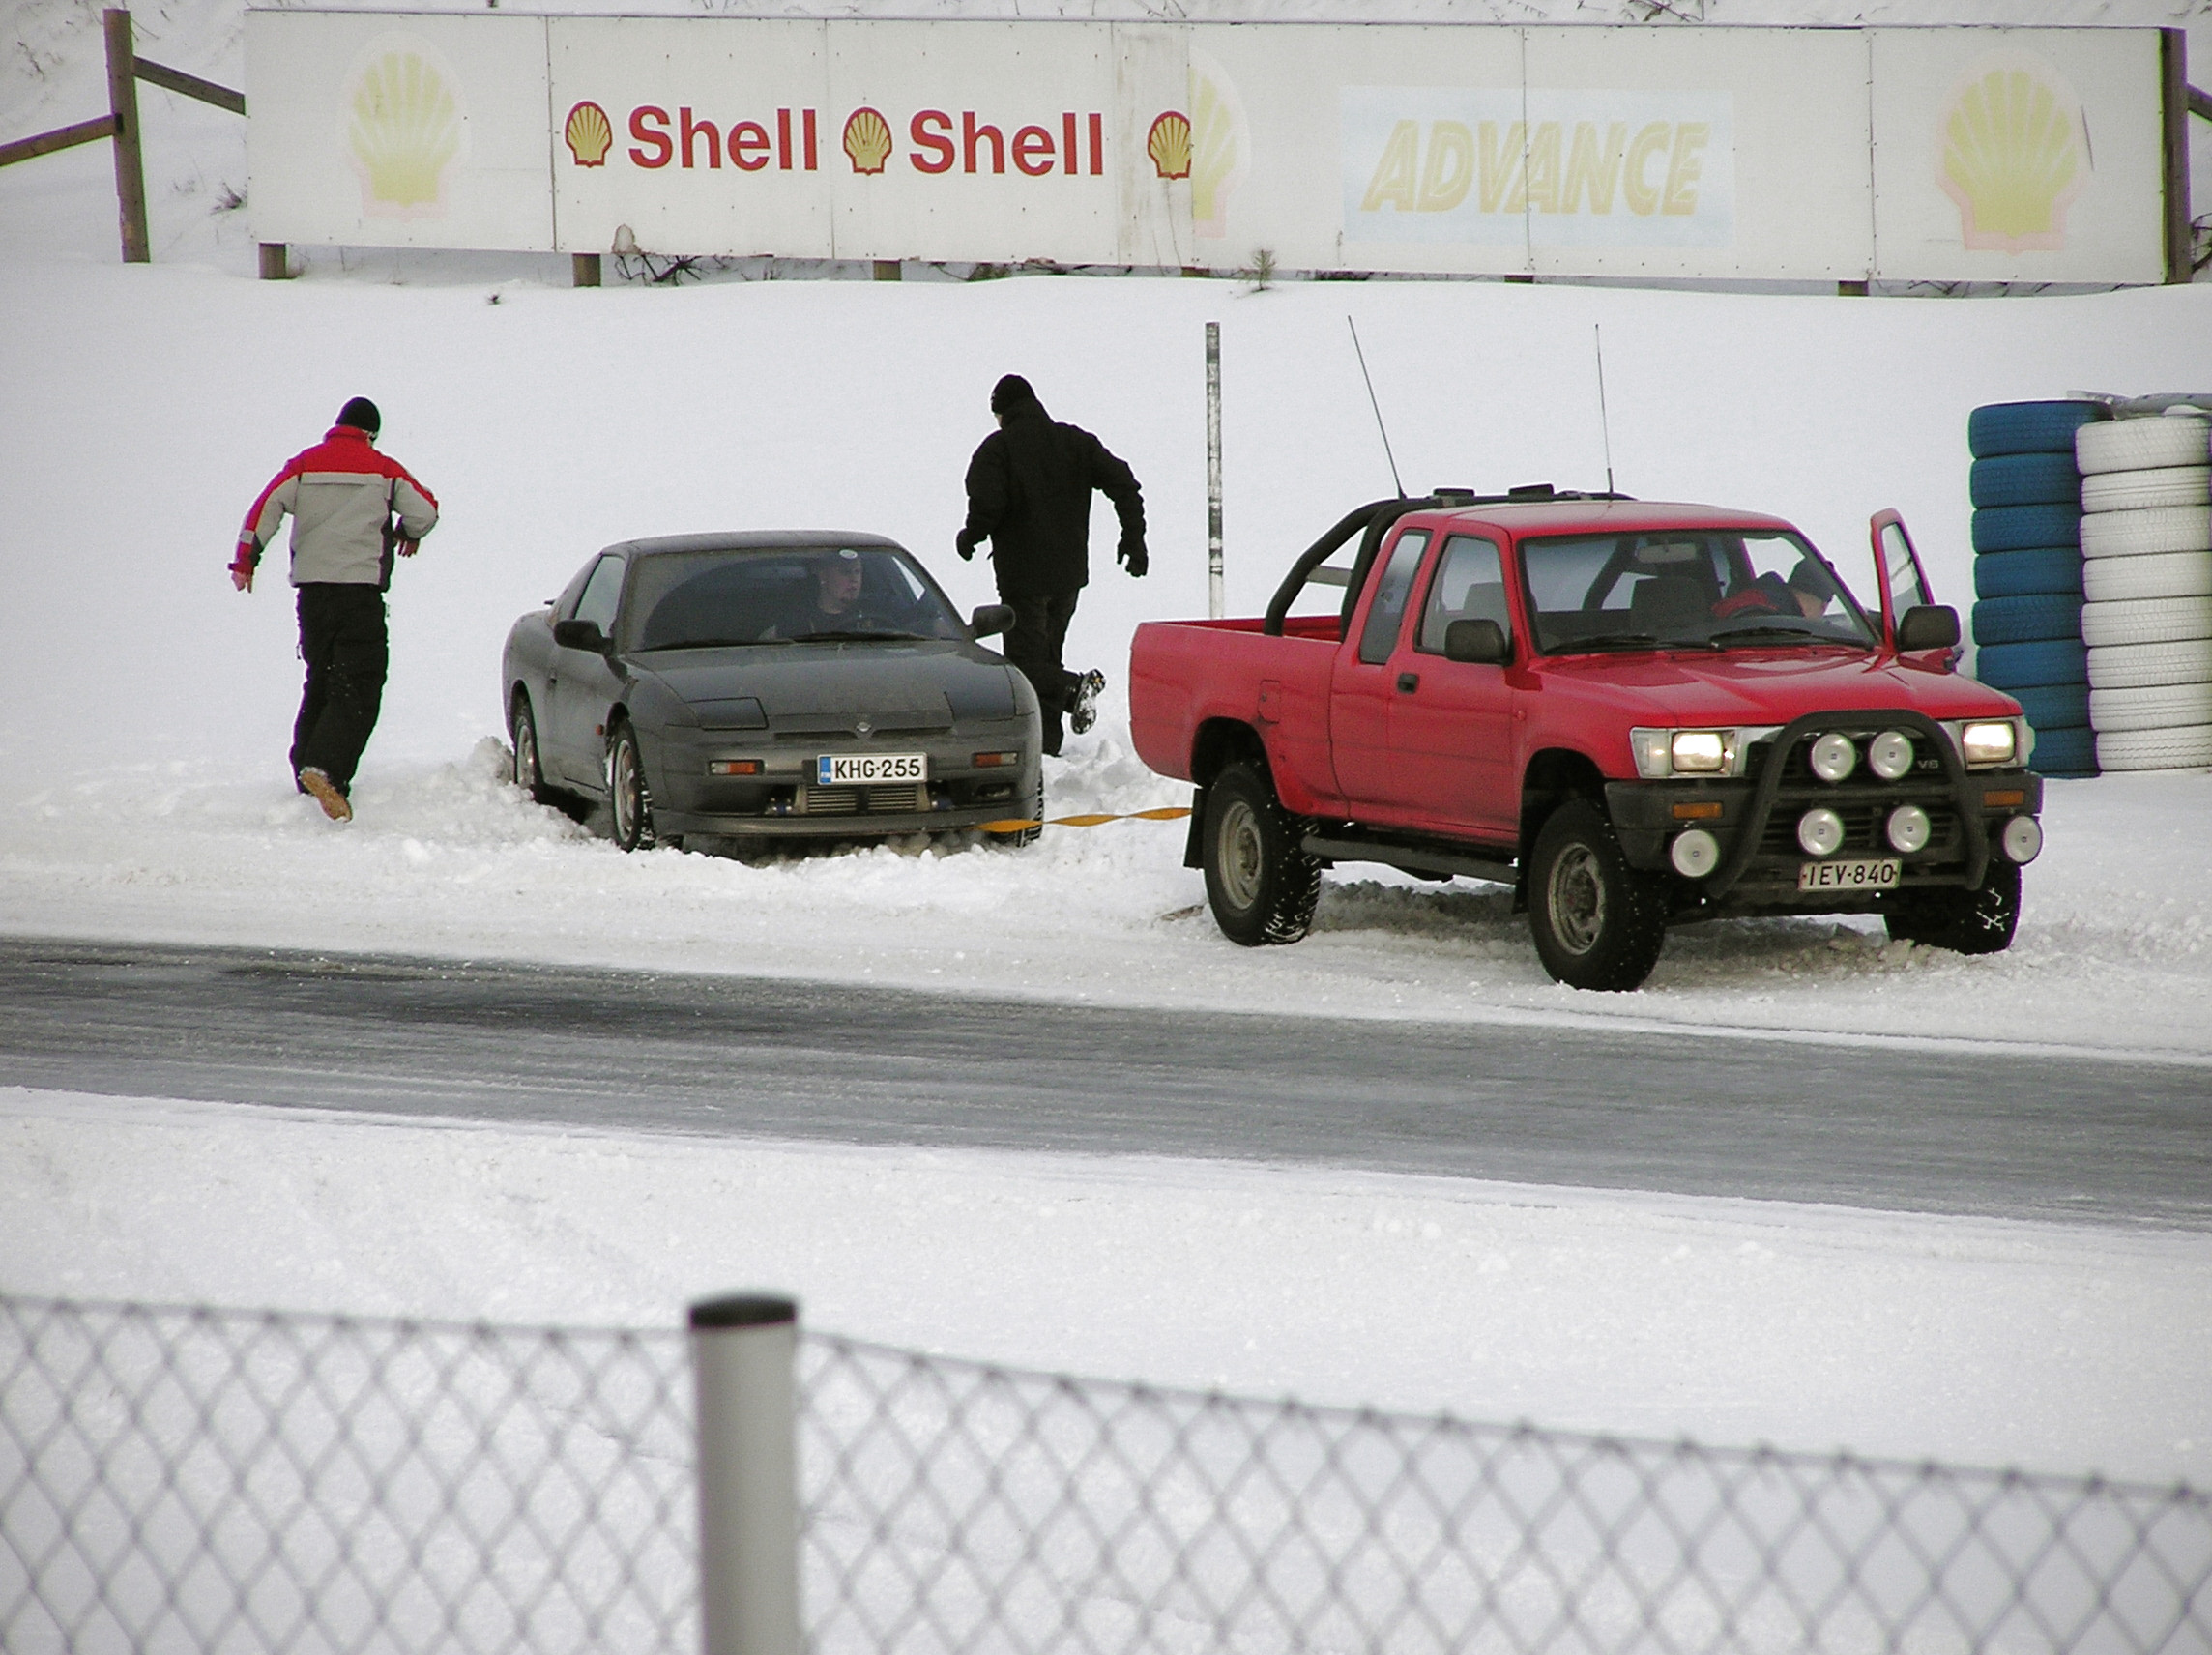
x=122, y=106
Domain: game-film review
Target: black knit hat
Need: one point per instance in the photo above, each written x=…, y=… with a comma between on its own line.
x=1010, y=392
x=362, y=414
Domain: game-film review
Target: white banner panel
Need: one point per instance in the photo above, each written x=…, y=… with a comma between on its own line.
x=2014, y=155
x=2018, y=155
x=381, y=129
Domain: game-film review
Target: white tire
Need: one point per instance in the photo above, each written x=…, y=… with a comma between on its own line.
x=2146, y=620
x=2139, y=445
x=2136, y=666
x=2153, y=528
x=2161, y=574
x=2163, y=706
x=2137, y=490
x=2187, y=747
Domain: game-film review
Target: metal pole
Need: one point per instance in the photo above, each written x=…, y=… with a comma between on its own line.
x=741, y=1355
x=123, y=104
x=1216, y=603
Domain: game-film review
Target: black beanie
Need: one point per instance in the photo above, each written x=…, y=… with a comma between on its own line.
x=1010, y=392
x=362, y=414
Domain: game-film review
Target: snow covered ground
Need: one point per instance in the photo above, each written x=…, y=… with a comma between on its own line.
x=140, y=410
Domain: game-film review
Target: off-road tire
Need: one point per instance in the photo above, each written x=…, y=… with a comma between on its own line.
x=1964, y=921
x=630, y=795
x=1599, y=923
x=1260, y=882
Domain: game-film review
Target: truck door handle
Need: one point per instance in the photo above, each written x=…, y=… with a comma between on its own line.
x=1408, y=681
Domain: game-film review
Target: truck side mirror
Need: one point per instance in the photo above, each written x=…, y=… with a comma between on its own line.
x=580, y=635
x=992, y=619
x=1927, y=627
x=1481, y=641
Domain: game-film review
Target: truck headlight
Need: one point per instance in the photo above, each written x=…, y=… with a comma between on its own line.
x=1701, y=752
x=1663, y=753
x=1989, y=742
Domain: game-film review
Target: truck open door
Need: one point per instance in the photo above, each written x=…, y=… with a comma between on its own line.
x=1896, y=571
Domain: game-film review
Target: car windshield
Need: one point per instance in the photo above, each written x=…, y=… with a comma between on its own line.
x=1708, y=588
x=767, y=596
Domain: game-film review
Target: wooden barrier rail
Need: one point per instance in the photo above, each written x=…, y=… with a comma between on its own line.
x=125, y=69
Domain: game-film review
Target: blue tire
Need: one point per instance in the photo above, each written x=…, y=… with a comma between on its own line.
x=2015, y=667
x=2017, y=528
x=2028, y=428
x=2071, y=752
x=2054, y=706
x=2031, y=569
x=2027, y=620
x=2025, y=480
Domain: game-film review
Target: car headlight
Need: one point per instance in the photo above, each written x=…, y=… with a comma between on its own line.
x=1989, y=741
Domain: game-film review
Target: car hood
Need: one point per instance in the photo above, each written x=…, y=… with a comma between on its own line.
x=1765, y=686
x=823, y=688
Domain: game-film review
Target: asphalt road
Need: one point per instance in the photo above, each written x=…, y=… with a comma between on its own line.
x=1954, y=1131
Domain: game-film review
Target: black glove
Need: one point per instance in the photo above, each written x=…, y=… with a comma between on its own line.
x=964, y=543
x=1133, y=553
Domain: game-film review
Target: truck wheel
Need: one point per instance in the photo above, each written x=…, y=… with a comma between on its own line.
x=1598, y=922
x=1964, y=921
x=1260, y=884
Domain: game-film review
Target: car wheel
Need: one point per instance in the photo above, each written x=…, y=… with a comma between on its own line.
x=1599, y=923
x=1964, y=921
x=528, y=768
x=1261, y=885
x=628, y=793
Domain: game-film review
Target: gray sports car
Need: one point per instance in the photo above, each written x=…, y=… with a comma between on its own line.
x=769, y=686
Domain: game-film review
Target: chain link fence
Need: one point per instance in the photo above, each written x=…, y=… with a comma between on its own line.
x=197, y=1480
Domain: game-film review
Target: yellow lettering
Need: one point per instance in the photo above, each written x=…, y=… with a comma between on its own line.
x=1593, y=170
x=1449, y=167
x=1393, y=180
x=1544, y=166
x=1683, y=167
x=1500, y=186
x=1636, y=185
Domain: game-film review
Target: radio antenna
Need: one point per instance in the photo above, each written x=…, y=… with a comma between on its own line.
x=1377, y=407
x=1604, y=425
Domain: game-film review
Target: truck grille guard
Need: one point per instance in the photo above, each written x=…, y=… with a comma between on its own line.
x=1964, y=791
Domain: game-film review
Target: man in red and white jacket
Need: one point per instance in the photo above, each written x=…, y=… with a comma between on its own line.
x=352, y=509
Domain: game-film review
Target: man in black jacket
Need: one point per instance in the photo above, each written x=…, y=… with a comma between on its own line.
x=1028, y=493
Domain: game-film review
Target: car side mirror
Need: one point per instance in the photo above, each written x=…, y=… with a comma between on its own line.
x=1928, y=626
x=992, y=619
x=1481, y=641
x=580, y=635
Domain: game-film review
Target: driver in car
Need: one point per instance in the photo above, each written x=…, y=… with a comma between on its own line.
x=838, y=605
x=1807, y=593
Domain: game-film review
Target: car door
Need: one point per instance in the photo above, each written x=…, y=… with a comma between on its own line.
x=583, y=685
x=1903, y=583
x=1360, y=685
x=1451, y=722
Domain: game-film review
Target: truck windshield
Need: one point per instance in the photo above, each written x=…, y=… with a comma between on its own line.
x=1687, y=588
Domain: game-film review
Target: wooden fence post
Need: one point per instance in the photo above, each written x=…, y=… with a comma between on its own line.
x=123, y=105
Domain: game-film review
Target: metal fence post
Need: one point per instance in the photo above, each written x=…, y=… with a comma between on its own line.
x=123, y=105
x=743, y=1350
x=1215, y=601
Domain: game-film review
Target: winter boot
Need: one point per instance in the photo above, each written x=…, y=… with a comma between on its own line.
x=1083, y=705
x=325, y=794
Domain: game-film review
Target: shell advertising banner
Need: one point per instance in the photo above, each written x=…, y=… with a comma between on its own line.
x=1965, y=154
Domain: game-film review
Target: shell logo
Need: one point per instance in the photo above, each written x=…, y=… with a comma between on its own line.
x=867, y=140
x=2012, y=157
x=1168, y=143
x=404, y=127
x=589, y=134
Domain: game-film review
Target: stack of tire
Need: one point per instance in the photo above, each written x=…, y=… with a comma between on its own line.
x=2146, y=535
x=2028, y=572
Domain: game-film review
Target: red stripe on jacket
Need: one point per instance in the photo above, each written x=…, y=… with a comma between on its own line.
x=343, y=448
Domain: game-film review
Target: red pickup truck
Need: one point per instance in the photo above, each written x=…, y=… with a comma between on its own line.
x=1637, y=714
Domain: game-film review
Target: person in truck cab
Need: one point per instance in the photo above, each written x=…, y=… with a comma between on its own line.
x=1807, y=593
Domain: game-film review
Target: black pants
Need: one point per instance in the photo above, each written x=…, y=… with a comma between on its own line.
x=342, y=640
x=1034, y=644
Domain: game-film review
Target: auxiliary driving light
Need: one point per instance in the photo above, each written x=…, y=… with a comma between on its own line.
x=1833, y=756
x=1889, y=755
x=1694, y=853
x=1908, y=828
x=1820, y=830
x=2022, y=839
